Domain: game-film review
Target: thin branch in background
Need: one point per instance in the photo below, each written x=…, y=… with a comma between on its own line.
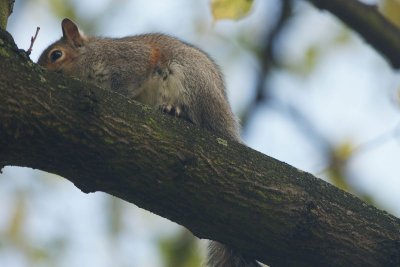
x=267, y=60
x=366, y=20
x=337, y=167
x=370, y=145
x=267, y=57
x=305, y=125
x=377, y=141
x=33, y=39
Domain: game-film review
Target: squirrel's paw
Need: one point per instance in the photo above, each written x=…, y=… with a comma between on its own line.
x=171, y=110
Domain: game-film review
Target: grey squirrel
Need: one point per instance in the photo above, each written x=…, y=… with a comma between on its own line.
x=157, y=70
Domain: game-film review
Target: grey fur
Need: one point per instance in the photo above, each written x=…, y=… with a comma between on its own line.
x=220, y=255
x=160, y=71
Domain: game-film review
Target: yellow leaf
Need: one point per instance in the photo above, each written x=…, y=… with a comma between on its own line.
x=391, y=10
x=230, y=9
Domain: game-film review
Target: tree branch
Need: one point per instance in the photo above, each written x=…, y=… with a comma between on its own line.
x=217, y=188
x=6, y=8
x=369, y=23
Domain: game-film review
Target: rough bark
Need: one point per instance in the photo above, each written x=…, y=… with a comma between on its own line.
x=369, y=23
x=6, y=8
x=217, y=188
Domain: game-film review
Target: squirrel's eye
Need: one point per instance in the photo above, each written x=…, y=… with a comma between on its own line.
x=56, y=54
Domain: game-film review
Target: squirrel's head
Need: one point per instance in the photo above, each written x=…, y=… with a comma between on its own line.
x=60, y=55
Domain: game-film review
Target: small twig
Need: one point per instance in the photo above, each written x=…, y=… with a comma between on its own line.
x=33, y=38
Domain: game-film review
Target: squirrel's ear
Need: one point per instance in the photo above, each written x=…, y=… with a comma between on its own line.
x=71, y=33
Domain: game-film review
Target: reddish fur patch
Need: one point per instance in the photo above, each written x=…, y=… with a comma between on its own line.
x=155, y=56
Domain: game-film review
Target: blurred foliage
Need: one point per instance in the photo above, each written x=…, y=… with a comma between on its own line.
x=14, y=237
x=63, y=9
x=338, y=155
x=391, y=10
x=115, y=209
x=339, y=158
x=68, y=9
x=313, y=53
x=17, y=219
x=230, y=9
x=180, y=251
x=396, y=97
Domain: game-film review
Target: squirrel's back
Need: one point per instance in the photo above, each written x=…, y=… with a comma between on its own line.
x=197, y=78
x=155, y=69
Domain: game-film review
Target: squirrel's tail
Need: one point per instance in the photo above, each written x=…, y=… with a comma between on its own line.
x=220, y=255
